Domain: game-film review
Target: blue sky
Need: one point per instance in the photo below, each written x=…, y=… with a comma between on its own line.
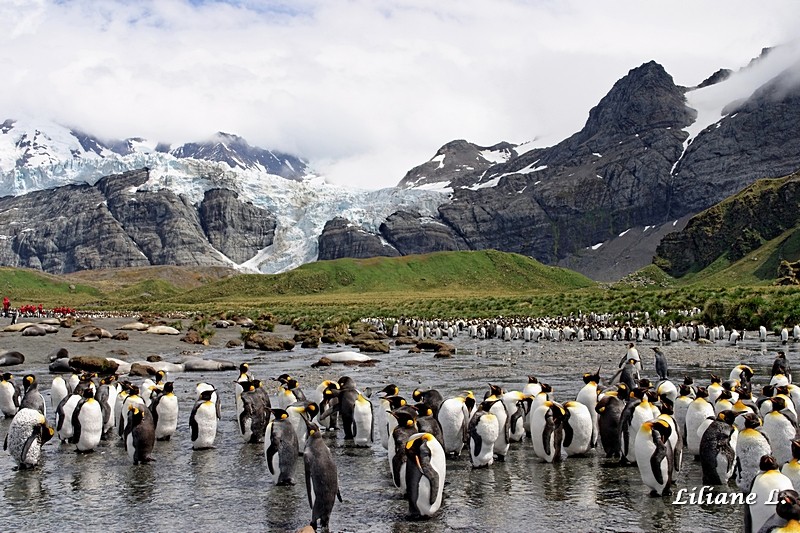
x=365, y=89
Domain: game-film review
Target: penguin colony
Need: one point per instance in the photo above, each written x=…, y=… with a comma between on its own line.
x=737, y=435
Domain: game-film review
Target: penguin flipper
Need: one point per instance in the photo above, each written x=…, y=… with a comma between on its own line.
x=478, y=443
x=193, y=422
x=28, y=443
x=339, y=495
x=76, y=423
x=655, y=464
x=5, y=443
x=397, y=463
x=271, y=451
x=309, y=489
x=424, y=464
x=568, y=434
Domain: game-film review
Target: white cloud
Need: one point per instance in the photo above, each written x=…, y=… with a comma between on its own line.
x=366, y=89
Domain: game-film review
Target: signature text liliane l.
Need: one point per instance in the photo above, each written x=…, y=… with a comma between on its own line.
x=705, y=496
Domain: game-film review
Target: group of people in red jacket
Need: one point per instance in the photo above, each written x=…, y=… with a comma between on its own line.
x=34, y=310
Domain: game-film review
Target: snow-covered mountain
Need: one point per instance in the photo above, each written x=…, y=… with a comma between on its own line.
x=37, y=155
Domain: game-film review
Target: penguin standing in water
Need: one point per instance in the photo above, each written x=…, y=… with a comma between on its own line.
x=164, y=409
x=64, y=413
x=426, y=423
x=254, y=415
x=425, y=474
x=454, y=415
x=588, y=397
x=654, y=456
x=362, y=421
x=381, y=413
x=140, y=435
x=106, y=396
x=58, y=391
x=547, y=431
x=484, y=430
x=394, y=402
x=280, y=448
x=406, y=427
x=131, y=399
x=718, y=449
x=27, y=434
x=577, y=429
x=9, y=399
x=200, y=388
x=766, y=484
x=661, y=363
x=696, y=414
x=780, y=366
x=751, y=446
x=630, y=374
x=675, y=437
x=609, y=411
x=32, y=398
x=517, y=405
x=244, y=376
x=322, y=479
x=87, y=423
x=343, y=402
x=325, y=396
x=203, y=421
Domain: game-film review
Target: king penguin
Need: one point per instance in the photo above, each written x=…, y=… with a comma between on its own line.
x=27, y=433
x=547, y=431
x=164, y=409
x=766, y=484
x=718, y=449
x=87, y=423
x=203, y=421
x=32, y=398
x=454, y=420
x=362, y=421
x=9, y=400
x=322, y=480
x=787, y=514
x=280, y=448
x=140, y=435
x=609, y=411
x=751, y=446
x=578, y=429
x=588, y=397
x=426, y=471
x=654, y=456
x=484, y=430
x=791, y=469
x=406, y=427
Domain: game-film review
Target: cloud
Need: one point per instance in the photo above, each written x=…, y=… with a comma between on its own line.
x=365, y=89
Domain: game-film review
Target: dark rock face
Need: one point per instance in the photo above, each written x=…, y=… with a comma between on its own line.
x=411, y=233
x=612, y=175
x=455, y=160
x=734, y=227
x=340, y=238
x=108, y=225
x=757, y=139
x=237, y=229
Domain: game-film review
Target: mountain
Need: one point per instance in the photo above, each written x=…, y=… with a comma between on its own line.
x=651, y=155
x=733, y=228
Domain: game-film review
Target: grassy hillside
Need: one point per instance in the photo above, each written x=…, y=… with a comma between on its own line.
x=24, y=286
x=443, y=273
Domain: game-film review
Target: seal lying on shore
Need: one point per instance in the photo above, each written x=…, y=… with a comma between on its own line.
x=346, y=357
x=195, y=364
x=11, y=357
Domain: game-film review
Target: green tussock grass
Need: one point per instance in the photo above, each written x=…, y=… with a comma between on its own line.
x=24, y=286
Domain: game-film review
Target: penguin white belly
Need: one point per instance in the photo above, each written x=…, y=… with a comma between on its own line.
x=206, y=420
x=7, y=392
x=588, y=397
x=780, y=433
x=644, y=450
x=167, y=416
x=538, y=436
x=19, y=430
x=792, y=471
x=488, y=431
x=750, y=446
x=582, y=429
x=65, y=418
x=58, y=391
x=452, y=417
x=299, y=426
x=381, y=423
x=501, y=445
x=698, y=411
x=129, y=446
x=641, y=414
x=91, y=421
x=439, y=465
x=362, y=418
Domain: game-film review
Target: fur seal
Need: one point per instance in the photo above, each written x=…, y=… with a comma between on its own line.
x=11, y=357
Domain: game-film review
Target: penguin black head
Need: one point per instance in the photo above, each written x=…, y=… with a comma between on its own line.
x=390, y=390
x=727, y=416
x=716, y=379
x=135, y=414
x=28, y=381
x=495, y=390
x=291, y=383
x=667, y=407
x=767, y=463
x=684, y=390
x=639, y=393
x=782, y=389
x=313, y=430
x=416, y=395
x=279, y=414
x=533, y=379
x=688, y=381
x=88, y=393
x=701, y=392
x=781, y=355
x=559, y=413
x=796, y=449
x=243, y=368
x=724, y=395
x=469, y=401
x=592, y=378
x=404, y=418
x=282, y=378
x=413, y=445
x=206, y=395
x=346, y=382
x=663, y=428
x=486, y=405
x=645, y=383
x=133, y=390
x=746, y=372
x=547, y=388
x=169, y=387
x=312, y=408
x=778, y=403
x=45, y=432
x=788, y=506
x=395, y=402
x=7, y=376
x=423, y=410
x=623, y=393
x=751, y=421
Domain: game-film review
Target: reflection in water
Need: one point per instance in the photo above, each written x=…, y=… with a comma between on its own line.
x=229, y=488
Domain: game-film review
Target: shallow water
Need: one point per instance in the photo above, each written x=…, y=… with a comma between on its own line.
x=229, y=488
